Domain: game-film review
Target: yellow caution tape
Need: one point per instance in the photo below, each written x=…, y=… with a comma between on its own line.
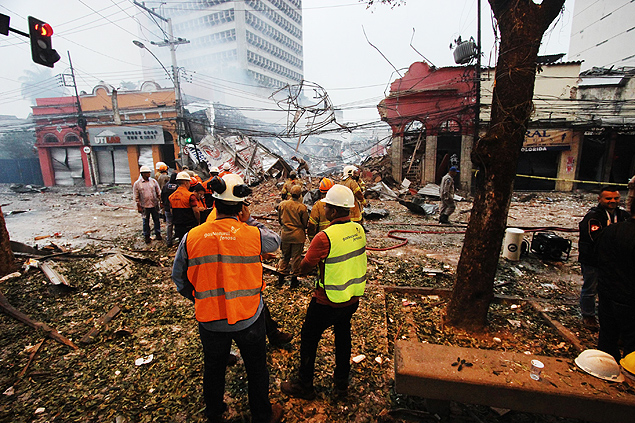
x=571, y=180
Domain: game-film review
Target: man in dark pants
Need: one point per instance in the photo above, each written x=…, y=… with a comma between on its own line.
x=615, y=251
x=218, y=267
x=339, y=251
x=607, y=212
x=146, y=194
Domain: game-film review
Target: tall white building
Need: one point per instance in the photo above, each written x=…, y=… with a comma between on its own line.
x=256, y=42
x=603, y=33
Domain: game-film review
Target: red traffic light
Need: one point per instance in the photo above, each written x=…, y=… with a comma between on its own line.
x=44, y=29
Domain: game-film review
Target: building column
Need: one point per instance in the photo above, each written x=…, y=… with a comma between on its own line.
x=397, y=158
x=133, y=163
x=568, y=164
x=46, y=166
x=156, y=155
x=467, y=142
x=430, y=161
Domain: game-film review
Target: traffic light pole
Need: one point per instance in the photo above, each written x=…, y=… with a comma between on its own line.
x=81, y=122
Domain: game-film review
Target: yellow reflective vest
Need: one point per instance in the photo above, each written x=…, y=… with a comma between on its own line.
x=345, y=265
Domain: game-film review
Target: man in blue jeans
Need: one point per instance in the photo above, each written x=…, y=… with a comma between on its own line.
x=146, y=194
x=607, y=212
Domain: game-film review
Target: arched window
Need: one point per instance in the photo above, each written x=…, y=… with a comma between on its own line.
x=50, y=139
x=450, y=126
x=71, y=137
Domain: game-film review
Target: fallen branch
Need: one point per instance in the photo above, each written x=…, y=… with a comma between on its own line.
x=101, y=323
x=17, y=314
x=36, y=349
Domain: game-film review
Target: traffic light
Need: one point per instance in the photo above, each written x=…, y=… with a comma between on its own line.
x=187, y=139
x=42, y=50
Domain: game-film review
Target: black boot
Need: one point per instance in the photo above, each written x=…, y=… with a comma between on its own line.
x=280, y=280
x=294, y=282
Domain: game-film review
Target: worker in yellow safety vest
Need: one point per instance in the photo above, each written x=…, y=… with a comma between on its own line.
x=339, y=251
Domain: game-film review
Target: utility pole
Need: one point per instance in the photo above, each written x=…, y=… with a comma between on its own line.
x=171, y=42
x=81, y=122
x=477, y=73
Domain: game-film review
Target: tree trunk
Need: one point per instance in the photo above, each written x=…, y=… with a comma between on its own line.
x=522, y=24
x=7, y=264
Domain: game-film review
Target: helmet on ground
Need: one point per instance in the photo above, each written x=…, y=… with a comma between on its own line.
x=340, y=196
x=145, y=169
x=628, y=363
x=230, y=188
x=226, y=166
x=159, y=166
x=348, y=170
x=326, y=184
x=183, y=176
x=214, y=170
x=296, y=190
x=599, y=364
x=293, y=174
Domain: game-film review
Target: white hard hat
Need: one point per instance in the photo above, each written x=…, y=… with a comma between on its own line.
x=214, y=170
x=226, y=166
x=144, y=169
x=599, y=364
x=340, y=195
x=183, y=176
x=230, y=188
x=159, y=165
x=348, y=170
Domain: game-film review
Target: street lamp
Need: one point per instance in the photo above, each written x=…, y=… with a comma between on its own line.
x=143, y=46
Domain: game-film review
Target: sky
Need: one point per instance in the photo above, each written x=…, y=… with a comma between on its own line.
x=338, y=54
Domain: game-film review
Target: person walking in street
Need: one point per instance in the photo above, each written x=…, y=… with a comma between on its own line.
x=293, y=217
x=184, y=206
x=606, y=213
x=339, y=251
x=446, y=192
x=147, y=195
x=317, y=219
x=168, y=189
x=615, y=250
x=218, y=267
x=288, y=184
x=350, y=182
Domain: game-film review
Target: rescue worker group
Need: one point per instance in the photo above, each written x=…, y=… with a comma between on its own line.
x=218, y=267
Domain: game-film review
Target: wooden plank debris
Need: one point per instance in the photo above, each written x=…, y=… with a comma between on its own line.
x=17, y=314
x=34, y=352
x=102, y=322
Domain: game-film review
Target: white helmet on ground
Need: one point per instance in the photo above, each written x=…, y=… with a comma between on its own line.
x=599, y=364
x=340, y=195
x=145, y=169
x=183, y=176
x=231, y=188
x=348, y=170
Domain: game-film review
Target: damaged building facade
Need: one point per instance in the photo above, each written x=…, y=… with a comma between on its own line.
x=125, y=130
x=431, y=112
x=581, y=132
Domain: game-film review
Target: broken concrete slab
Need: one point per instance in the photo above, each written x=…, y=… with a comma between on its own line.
x=115, y=265
x=502, y=379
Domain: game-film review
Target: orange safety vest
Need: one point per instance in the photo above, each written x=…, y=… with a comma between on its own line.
x=182, y=213
x=225, y=269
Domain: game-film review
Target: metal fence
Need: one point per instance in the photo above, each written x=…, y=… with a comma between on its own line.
x=21, y=171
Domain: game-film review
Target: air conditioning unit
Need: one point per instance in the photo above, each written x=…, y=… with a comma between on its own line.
x=464, y=52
